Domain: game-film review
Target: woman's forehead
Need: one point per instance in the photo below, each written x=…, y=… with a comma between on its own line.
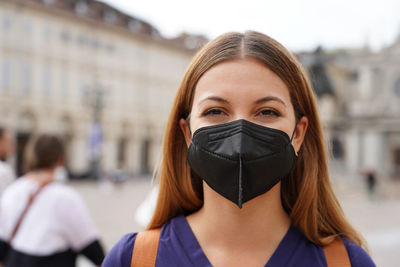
x=243, y=78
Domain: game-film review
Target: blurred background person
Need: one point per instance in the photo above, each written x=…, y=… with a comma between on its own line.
x=370, y=182
x=44, y=222
x=6, y=149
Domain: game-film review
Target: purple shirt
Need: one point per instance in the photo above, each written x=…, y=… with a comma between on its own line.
x=179, y=247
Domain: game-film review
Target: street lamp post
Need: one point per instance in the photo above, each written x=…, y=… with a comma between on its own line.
x=94, y=96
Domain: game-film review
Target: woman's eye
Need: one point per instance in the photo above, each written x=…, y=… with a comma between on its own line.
x=213, y=111
x=269, y=112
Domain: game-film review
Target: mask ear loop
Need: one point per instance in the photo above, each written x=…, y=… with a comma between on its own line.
x=188, y=124
x=291, y=139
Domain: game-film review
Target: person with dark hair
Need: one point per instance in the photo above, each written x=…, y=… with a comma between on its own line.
x=6, y=149
x=43, y=222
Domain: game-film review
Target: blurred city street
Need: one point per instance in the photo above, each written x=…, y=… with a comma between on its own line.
x=113, y=209
x=103, y=76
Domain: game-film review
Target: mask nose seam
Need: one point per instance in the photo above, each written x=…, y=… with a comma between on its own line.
x=240, y=196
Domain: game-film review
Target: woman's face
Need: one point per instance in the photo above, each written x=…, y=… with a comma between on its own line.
x=243, y=89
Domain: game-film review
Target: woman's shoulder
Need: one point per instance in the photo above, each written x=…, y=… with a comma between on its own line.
x=17, y=188
x=121, y=253
x=357, y=255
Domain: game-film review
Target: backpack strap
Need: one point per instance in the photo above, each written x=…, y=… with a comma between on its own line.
x=336, y=254
x=145, y=249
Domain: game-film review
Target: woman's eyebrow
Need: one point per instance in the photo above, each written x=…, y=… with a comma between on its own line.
x=269, y=98
x=215, y=98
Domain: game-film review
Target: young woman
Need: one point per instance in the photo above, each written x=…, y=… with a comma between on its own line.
x=244, y=179
x=45, y=223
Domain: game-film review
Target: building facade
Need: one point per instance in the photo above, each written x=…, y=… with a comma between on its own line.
x=106, y=81
x=360, y=108
x=69, y=66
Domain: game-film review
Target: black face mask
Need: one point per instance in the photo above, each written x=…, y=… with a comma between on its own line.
x=241, y=160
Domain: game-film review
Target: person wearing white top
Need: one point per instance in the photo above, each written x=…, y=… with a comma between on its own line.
x=56, y=225
x=7, y=175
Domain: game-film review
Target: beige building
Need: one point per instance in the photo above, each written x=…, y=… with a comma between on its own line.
x=65, y=62
x=361, y=109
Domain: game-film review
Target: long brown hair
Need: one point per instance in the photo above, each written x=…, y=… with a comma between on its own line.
x=306, y=194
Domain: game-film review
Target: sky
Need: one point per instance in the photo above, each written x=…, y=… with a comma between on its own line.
x=299, y=25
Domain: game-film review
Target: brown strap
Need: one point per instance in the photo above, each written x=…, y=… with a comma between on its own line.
x=336, y=254
x=28, y=205
x=145, y=249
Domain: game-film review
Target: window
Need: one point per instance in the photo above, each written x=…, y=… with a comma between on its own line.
x=64, y=82
x=83, y=40
x=145, y=156
x=7, y=23
x=397, y=87
x=6, y=75
x=26, y=27
x=135, y=25
x=95, y=44
x=46, y=80
x=47, y=32
x=121, y=155
x=110, y=48
x=26, y=74
x=396, y=161
x=84, y=91
x=155, y=33
x=110, y=16
x=337, y=148
x=48, y=2
x=81, y=7
x=65, y=36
